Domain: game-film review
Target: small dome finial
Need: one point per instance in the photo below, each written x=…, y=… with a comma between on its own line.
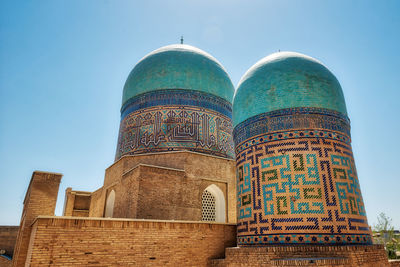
x=182, y=39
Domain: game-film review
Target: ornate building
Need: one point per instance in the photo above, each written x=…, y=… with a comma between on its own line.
x=176, y=115
x=277, y=186
x=297, y=181
x=177, y=98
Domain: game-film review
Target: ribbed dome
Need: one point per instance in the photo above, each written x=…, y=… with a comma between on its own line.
x=286, y=80
x=178, y=67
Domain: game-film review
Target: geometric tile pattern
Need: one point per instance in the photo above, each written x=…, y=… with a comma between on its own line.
x=303, y=189
x=153, y=126
x=293, y=119
x=185, y=97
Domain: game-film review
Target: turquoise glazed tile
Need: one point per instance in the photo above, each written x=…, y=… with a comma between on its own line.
x=178, y=67
x=286, y=80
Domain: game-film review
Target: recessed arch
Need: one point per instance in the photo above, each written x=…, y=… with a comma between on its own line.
x=110, y=204
x=213, y=204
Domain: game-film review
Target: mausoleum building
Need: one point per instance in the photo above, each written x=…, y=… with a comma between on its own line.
x=206, y=176
x=297, y=181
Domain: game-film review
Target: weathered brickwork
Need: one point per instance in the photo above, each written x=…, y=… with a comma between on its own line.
x=167, y=185
x=170, y=120
x=40, y=199
x=8, y=237
x=77, y=203
x=117, y=242
x=5, y=261
x=394, y=263
x=298, y=255
x=298, y=185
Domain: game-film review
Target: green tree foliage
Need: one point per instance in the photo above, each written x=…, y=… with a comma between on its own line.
x=384, y=234
x=384, y=223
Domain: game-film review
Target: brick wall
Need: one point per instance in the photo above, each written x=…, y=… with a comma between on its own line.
x=192, y=173
x=126, y=242
x=305, y=255
x=8, y=236
x=77, y=203
x=97, y=203
x=40, y=199
x=5, y=262
x=394, y=263
x=68, y=202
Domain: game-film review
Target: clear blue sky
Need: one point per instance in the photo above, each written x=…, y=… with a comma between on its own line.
x=63, y=65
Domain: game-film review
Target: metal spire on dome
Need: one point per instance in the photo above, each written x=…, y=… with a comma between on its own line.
x=182, y=39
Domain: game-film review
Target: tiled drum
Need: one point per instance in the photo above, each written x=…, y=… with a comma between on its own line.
x=296, y=178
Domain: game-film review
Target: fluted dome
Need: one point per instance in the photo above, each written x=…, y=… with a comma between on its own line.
x=178, y=67
x=286, y=80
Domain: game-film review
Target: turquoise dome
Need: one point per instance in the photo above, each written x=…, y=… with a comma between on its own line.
x=178, y=67
x=286, y=80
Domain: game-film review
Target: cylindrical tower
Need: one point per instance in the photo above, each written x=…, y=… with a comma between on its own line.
x=177, y=98
x=296, y=178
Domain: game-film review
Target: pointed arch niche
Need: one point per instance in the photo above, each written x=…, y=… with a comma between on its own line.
x=213, y=204
x=110, y=204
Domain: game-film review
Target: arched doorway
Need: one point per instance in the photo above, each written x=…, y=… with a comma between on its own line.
x=213, y=204
x=110, y=204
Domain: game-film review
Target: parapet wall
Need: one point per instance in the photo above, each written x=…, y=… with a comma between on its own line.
x=8, y=237
x=61, y=241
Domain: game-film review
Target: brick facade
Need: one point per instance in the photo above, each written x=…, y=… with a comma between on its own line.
x=8, y=237
x=77, y=203
x=300, y=255
x=171, y=189
x=394, y=263
x=162, y=186
x=296, y=199
x=125, y=242
x=5, y=262
x=40, y=199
